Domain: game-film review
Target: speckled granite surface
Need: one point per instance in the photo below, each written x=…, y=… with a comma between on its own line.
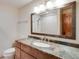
x=62, y=51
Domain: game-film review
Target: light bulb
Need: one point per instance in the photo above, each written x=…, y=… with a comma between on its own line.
x=39, y=9
x=42, y=8
x=50, y=5
x=36, y=10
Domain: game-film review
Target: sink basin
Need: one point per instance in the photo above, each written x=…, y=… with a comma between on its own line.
x=40, y=44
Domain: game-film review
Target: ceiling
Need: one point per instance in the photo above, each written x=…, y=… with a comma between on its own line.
x=16, y=3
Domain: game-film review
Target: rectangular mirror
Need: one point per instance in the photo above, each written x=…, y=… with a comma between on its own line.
x=59, y=22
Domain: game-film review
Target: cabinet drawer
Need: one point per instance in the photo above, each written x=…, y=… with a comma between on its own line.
x=42, y=55
x=17, y=53
x=25, y=48
x=37, y=53
x=30, y=50
x=26, y=56
x=17, y=44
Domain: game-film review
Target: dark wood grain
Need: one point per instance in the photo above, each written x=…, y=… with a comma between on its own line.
x=38, y=54
x=28, y=52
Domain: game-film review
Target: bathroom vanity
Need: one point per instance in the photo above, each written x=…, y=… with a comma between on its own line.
x=25, y=50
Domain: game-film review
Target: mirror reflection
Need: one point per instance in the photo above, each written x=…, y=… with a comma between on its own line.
x=56, y=22
x=47, y=22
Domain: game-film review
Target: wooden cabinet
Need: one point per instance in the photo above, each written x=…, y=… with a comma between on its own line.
x=27, y=52
x=26, y=56
x=17, y=53
x=18, y=50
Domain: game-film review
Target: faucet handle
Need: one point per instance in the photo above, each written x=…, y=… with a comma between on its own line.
x=42, y=38
x=45, y=39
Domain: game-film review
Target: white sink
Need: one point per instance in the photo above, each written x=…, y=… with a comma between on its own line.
x=40, y=44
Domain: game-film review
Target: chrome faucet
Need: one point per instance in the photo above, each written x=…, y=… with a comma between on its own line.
x=44, y=39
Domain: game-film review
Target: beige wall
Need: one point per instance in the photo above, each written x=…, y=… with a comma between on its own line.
x=8, y=26
x=24, y=28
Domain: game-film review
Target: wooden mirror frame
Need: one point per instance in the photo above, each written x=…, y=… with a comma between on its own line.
x=73, y=23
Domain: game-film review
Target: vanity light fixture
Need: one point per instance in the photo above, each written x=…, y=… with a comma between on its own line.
x=36, y=10
x=42, y=8
x=39, y=9
x=49, y=6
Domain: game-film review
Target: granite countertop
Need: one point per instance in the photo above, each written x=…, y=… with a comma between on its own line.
x=62, y=51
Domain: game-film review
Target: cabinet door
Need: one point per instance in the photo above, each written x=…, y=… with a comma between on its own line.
x=17, y=53
x=26, y=56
